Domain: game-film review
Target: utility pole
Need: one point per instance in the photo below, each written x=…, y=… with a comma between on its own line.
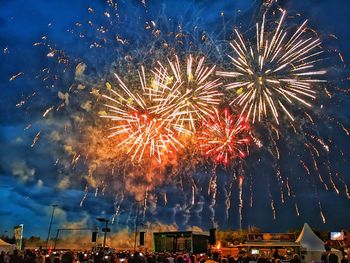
x=48, y=234
x=105, y=230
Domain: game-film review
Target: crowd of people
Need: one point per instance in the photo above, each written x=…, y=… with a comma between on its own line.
x=41, y=256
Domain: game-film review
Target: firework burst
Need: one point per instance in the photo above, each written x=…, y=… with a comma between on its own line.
x=143, y=130
x=188, y=93
x=276, y=71
x=224, y=138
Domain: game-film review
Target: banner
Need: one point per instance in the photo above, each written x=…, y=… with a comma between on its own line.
x=18, y=231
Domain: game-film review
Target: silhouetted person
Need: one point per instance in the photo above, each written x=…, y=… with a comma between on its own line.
x=325, y=256
x=333, y=258
x=137, y=258
x=16, y=258
x=2, y=257
x=275, y=254
x=179, y=259
x=295, y=259
x=67, y=258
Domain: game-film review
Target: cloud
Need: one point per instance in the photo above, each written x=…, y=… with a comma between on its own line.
x=22, y=171
x=64, y=183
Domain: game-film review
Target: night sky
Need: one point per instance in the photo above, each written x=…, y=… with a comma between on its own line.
x=32, y=178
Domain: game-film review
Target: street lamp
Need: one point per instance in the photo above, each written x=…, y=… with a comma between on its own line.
x=48, y=234
x=105, y=230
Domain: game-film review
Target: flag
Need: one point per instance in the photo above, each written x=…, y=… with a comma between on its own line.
x=18, y=231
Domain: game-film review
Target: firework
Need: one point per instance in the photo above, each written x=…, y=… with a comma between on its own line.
x=275, y=71
x=224, y=137
x=142, y=128
x=188, y=93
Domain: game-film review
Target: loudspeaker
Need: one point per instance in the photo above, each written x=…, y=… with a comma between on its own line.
x=94, y=237
x=142, y=238
x=212, y=237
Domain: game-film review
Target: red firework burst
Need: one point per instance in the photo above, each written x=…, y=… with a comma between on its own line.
x=224, y=137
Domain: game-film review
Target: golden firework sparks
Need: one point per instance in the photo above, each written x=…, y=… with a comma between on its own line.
x=275, y=71
x=143, y=129
x=188, y=93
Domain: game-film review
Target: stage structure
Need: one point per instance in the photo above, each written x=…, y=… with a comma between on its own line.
x=182, y=241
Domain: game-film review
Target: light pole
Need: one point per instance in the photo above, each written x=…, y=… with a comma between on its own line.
x=48, y=234
x=136, y=222
x=105, y=230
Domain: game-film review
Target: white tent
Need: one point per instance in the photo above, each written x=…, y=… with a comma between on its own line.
x=309, y=240
x=313, y=244
x=4, y=246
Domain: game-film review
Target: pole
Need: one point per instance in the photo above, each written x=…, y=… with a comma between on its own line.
x=56, y=238
x=104, y=220
x=105, y=236
x=48, y=234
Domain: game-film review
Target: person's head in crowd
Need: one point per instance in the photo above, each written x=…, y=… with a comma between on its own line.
x=179, y=259
x=67, y=257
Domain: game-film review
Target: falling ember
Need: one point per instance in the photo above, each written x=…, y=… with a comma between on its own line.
x=21, y=103
x=187, y=93
x=347, y=191
x=273, y=209
x=228, y=201
x=240, y=187
x=305, y=167
x=28, y=127
x=193, y=195
x=47, y=111
x=16, y=76
x=297, y=209
x=224, y=138
x=251, y=193
x=331, y=179
x=36, y=138
x=321, y=213
x=324, y=145
x=277, y=71
x=344, y=129
x=86, y=191
x=212, y=191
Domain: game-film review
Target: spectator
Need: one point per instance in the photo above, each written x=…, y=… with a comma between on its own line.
x=303, y=260
x=16, y=258
x=295, y=259
x=2, y=257
x=179, y=259
x=276, y=255
x=325, y=255
x=67, y=257
x=40, y=258
x=344, y=259
x=333, y=258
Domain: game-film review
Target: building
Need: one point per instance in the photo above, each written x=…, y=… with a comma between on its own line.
x=181, y=241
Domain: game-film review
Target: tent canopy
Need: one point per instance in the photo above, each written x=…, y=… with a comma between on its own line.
x=309, y=240
x=4, y=246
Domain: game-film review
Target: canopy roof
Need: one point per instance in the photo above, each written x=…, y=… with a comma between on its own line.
x=309, y=240
x=4, y=244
